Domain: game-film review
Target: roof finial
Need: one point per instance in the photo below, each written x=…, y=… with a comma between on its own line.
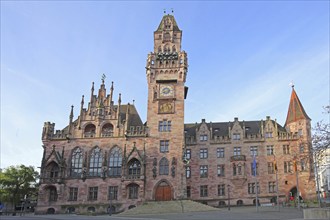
x=103, y=78
x=291, y=84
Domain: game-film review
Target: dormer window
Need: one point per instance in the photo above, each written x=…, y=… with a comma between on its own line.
x=236, y=136
x=203, y=137
x=268, y=134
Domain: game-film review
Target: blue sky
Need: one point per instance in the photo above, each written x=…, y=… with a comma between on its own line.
x=242, y=56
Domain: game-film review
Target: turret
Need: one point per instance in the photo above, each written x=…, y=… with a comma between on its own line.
x=48, y=130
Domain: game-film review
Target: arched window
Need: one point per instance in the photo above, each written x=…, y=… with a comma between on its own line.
x=115, y=161
x=222, y=203
x=52, y=171
x=134, y=168
x=95, y=163
x=107, y=130
x=173, y=49
x=52, y=194
x=89, y=131
x=76, y=162
x=239, y=203
x=159, y=49
x=167, y=49
x=163, y=166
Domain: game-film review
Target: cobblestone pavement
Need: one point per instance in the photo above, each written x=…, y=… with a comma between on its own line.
x=237, y=213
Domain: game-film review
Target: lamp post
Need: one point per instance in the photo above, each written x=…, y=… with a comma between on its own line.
x=298, y=193
x=228, y=196
x=317, y=179
x=110, y=204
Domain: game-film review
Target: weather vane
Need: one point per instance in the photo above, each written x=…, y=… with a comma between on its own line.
x=103, y=77
x=291, y=84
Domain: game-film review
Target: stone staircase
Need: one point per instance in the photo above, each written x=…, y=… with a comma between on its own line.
x=175, y=206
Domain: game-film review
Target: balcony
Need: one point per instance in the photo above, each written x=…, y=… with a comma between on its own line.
x=238, y=158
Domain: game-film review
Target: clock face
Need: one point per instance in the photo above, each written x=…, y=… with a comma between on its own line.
x=166, y=90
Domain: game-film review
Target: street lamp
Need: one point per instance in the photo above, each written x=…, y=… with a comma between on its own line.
x=228, y=187
x=110, y=204
x=297, y=180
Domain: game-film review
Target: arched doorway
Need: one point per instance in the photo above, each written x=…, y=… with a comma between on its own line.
x=163, y=192
x=294, y=194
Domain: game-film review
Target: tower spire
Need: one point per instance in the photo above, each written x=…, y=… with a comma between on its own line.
x=296, y=110
x=71, y=119
x=111, y=92
x=81, y=110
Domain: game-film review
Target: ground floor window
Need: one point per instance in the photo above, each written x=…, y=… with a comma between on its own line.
x=133, y=191
x=73, y=193
x=221, y=190
x=92, y=193
x=113, y=193
x=203, y=191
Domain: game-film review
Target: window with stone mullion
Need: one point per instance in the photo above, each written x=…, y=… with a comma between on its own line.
x=113, y=193
x=76, y=163
x=163, y=166
x=95, y=164
x=115, y=162
x=92, y=193
x=133, y=191
x=73, y=193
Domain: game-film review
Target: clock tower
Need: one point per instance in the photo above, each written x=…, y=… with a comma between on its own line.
x=166, y=71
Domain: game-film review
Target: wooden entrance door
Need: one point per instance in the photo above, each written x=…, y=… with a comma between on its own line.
x=163, y=192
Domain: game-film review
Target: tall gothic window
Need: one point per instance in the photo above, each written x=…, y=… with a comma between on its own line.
x=134, y=168
x=52, y=194
x=95, y=163
x=52, y=171
x=76, y=162
x=115, y=161
x=163, y=166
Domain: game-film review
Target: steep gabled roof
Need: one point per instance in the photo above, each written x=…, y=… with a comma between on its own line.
x=164, y=19
x=296, y=110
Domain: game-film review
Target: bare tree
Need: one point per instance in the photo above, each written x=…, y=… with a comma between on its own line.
x=321, y=135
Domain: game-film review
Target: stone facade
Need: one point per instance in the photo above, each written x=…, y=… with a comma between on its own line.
x=108, y=159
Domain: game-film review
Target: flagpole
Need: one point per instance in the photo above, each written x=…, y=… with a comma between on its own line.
x=256, y=180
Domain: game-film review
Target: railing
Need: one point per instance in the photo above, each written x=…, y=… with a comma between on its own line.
x=107, y=134
x=89, y=134
x=51, y=180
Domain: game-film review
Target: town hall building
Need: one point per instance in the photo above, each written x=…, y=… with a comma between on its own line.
x=108, y=158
